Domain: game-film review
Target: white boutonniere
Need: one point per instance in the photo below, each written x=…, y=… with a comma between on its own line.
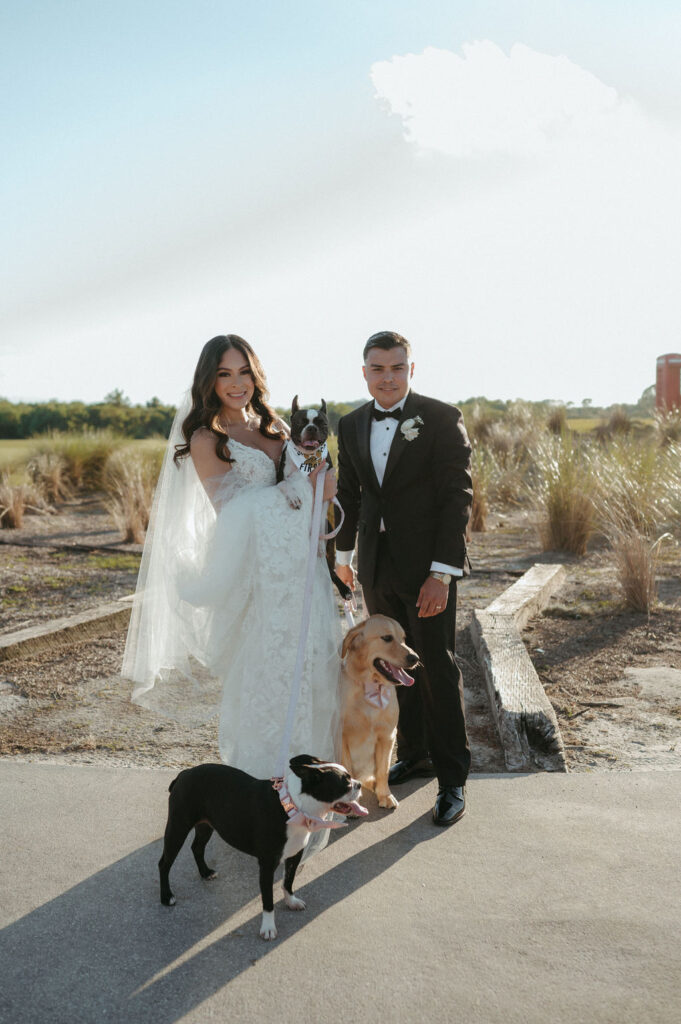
x=410, y=428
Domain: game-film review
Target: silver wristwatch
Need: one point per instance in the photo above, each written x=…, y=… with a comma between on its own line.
x=443, y=577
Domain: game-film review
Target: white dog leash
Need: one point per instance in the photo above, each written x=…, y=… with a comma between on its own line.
x=348, y=608
x=282, y=761
x=307, y=462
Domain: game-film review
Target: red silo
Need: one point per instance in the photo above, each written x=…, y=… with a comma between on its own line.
x=667, y=384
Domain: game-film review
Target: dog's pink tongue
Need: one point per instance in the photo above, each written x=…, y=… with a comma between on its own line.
x=350, y=807
x=403, y=677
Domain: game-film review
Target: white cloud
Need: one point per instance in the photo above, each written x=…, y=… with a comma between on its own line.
x=555, y=217
x=485, y=103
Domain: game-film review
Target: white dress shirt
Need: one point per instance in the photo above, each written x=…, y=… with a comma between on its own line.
x=380, y=440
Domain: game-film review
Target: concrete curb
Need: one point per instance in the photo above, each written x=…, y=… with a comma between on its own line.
x=526, y=722
x=61, y=632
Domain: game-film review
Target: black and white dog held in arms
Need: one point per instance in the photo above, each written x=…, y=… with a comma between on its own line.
x=269, y=819
x=305, y=451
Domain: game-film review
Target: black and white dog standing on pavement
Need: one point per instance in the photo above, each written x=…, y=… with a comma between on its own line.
x=270, y=819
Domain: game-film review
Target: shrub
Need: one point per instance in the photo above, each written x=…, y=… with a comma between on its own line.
x=619, y=422
x=482, y=470
x=637, y=499
x=637, y=484
x=18, y=498
x=556, y=422
x=636, y=557
x=48, y=472
x=479, y=421
x=129, y=481
x=562, y=491
x=12, y=504
x=668, y=426
x=84, y=455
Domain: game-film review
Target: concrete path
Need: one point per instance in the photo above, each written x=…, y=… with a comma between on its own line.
x=556, y=899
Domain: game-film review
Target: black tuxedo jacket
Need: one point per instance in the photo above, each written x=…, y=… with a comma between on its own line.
x=426, y=494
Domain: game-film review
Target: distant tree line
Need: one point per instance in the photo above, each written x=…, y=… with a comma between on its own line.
x=154, y=419
x=115, y=412
x=644, y=407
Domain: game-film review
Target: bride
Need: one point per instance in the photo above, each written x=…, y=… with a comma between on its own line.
x=217, y=613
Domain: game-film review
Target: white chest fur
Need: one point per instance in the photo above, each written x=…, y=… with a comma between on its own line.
x=296, y=839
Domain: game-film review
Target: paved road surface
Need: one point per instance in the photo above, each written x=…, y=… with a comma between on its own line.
x=556, y=899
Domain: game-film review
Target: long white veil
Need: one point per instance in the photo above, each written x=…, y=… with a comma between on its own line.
x=217, y=612
x=166, y=653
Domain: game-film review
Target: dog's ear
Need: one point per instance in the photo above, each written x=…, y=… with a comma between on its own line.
x=294, y=404
x=323, y=406
x=301, y=763
x=350, y=638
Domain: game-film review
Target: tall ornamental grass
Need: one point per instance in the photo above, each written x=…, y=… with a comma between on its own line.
x=129, y=480
x=482, y=471
x=668, y=426
x=48, y=472
x=12, y=504
x=16, y=499
x=638, y=485
x=83, y=456
x=562, y=491
x=638, y=505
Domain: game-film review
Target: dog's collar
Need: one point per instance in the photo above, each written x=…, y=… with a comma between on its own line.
x=377, y=694
x=298, y=817
x=307, y=461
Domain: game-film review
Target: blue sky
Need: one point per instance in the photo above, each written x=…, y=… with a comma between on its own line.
x=281, y=170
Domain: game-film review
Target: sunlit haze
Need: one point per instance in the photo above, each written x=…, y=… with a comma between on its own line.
x=497, y=182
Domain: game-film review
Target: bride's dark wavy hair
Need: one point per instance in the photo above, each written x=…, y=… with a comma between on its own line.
x=206, y=405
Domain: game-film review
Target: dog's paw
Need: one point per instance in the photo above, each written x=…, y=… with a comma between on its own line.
x=294, y=500
x=388, y=802
x=294, y=902
x=268, y=930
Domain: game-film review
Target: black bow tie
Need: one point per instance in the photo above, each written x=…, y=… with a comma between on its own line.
x=383, y=414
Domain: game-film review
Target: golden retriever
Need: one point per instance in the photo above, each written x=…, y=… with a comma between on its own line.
x=375, y=661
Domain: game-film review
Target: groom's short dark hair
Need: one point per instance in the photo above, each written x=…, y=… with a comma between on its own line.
x=386, y=340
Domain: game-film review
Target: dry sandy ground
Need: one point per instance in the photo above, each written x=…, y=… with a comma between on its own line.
x=73, y=706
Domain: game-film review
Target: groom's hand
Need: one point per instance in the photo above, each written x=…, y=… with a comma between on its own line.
x=432, y=598
x=346, y=575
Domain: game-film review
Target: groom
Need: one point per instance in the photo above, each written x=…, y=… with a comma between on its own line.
x=405, y=485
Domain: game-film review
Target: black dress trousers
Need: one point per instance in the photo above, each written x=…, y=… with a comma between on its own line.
x=432, y=717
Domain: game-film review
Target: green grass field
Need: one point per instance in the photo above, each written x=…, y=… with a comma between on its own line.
x=14, y=452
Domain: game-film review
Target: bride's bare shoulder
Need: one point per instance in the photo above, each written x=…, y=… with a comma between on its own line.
x=202, y=438
x=204, y=456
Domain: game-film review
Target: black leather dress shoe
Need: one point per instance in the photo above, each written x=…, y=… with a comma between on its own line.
x=402, y=771
x=450, y=805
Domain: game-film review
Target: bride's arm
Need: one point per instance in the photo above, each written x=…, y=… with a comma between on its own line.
x=210, y=470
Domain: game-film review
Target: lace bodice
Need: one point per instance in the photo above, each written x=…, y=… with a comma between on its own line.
x=252, y=467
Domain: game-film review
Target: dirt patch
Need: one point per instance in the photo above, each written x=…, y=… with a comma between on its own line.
x=584, y=649
x=40, y=583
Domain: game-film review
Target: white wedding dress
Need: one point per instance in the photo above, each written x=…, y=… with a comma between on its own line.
x=217, y=616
